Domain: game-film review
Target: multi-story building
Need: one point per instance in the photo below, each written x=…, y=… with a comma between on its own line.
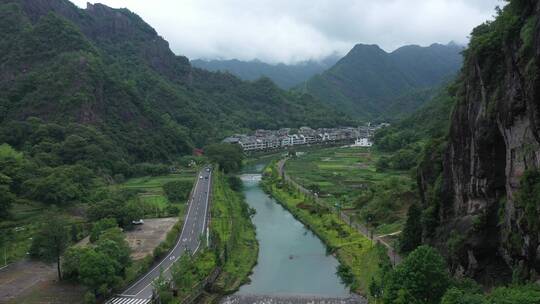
x=277, y=139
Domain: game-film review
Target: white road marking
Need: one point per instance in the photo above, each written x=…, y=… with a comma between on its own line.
x=182, y=233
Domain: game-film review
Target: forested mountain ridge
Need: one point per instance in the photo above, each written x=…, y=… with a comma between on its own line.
x=480, y=185
x=89, y=97
x=105, y=68
x=375, y=84
x=285, y=76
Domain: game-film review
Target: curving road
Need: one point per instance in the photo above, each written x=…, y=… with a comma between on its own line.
x=195, y=226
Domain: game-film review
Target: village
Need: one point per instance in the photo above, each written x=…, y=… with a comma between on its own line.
x=264, y=140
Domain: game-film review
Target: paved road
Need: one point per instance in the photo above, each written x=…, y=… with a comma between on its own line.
x=195, y=225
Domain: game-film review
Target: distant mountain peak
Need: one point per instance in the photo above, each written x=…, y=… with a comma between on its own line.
x=368, y=79
x=361, y=47
x=284, y=75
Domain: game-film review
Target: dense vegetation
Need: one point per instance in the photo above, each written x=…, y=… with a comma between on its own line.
x=427, y=132
x=374, y=84
x=100, y=266
x=228, y=157
x=232, y=252
x=285, y=76
x=423, y=278
x=81, y=106
x=90, y=98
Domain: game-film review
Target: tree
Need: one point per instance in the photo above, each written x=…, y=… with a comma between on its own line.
x=229, y=157
x=96, y=270
x=123, y=208
x=421, y=278
x=100, y=226
x=525, y=294
x=412, y=233
x=113, y=244
x=345, y=274
x=382, y=164
x=102, y=266
x=235, y=182
x=6, y=200
x=177, y=191
x=11, y=164
x=457, y=296
x=71, y=261
x=162, y=287
x=52, y=240
x=182, y=272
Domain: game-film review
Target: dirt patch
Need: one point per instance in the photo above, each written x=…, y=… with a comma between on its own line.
x=145, y=238
x=362, y=165
x=30, y=281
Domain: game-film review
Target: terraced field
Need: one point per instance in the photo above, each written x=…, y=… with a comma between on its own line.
x=151, y=194
x=347, y=177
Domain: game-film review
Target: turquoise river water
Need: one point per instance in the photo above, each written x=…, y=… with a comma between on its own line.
x=292, y=260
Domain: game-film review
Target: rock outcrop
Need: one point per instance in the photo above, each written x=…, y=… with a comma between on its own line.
x=111, y=28
x=470, y=185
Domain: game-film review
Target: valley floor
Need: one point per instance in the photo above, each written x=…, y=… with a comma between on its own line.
x=359, y=257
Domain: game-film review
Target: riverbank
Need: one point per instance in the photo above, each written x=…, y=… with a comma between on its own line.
x=292, y=260
x=360, y=259
x=233, y=238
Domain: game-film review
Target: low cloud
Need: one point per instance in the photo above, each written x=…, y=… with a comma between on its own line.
x=291, y=31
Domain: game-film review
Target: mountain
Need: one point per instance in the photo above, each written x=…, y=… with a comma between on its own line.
x=104, y=78
x=480, y=184
x=284, y=75
x=372, y=83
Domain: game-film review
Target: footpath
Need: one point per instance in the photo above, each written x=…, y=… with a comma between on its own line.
x=395, y=258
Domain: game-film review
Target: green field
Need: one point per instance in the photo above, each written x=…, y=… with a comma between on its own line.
x=356, y=253
x=347, y=177
x=150, y=191
x=18, y=230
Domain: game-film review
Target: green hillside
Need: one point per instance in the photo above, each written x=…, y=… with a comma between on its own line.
x=106, y=70
x=374, y=84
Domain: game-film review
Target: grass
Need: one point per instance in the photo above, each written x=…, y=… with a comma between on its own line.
x=150, y=191
x=28, y=215
x=139, y=267
x=19, y=229
x=233, y=234
x=348, y=176
x=351, y=248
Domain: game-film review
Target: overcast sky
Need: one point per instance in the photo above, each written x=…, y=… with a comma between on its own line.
x=295, y=30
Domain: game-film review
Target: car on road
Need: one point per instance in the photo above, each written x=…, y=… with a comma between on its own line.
x=138, y=222
x=200, y=177
x=207, y=169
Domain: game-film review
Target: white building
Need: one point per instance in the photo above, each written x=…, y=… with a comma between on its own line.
x=362, y=142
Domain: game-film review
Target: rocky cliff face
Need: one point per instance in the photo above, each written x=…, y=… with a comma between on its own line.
x=111, y=29
x=475, y=207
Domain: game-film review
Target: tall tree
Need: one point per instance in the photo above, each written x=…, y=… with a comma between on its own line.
x=51, y=240
x=421, y=278
x=412, y=233
x=228, y=156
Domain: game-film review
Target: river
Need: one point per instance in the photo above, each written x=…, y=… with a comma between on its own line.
x=292, y=260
